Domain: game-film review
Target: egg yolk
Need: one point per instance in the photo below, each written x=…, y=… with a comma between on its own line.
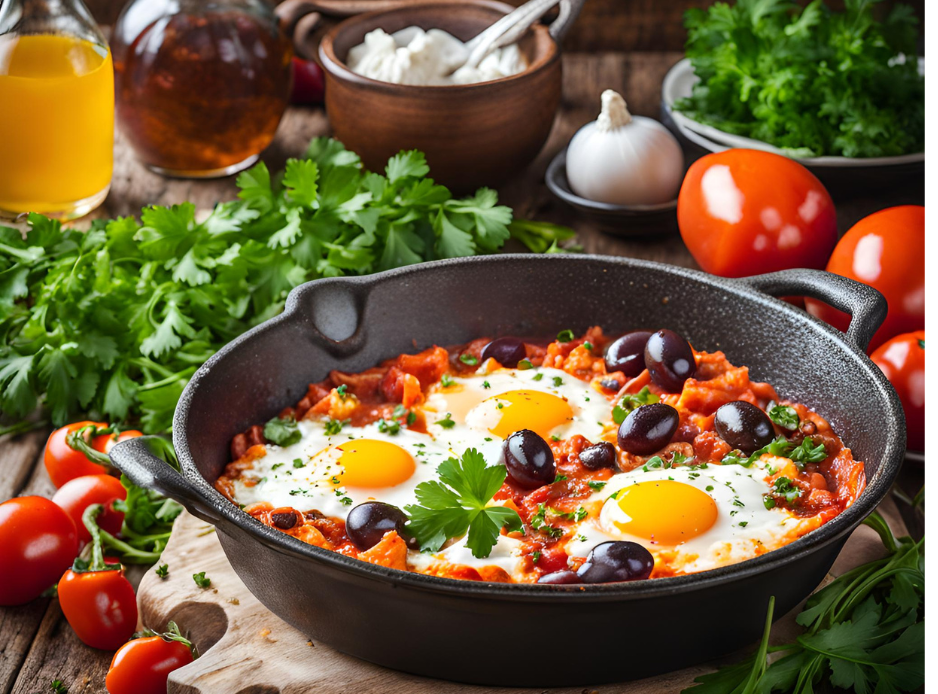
x=369, y=463
x=665, y=512
x=528, y=409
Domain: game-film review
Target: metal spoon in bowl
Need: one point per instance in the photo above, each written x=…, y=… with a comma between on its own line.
x=505, y=31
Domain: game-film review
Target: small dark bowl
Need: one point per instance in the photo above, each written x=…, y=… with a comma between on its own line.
x=621, y=220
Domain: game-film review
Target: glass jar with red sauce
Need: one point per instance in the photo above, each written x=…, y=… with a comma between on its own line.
x=200, y=85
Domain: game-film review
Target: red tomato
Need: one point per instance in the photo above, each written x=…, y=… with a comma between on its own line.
x=104, y=444
x=743, y=212
x=38, y=541
x=887, y=251
x=100, y=606
x=65, y=463
x=902, y=359
x=78, y=494
x=143, y=665
x=308, y=83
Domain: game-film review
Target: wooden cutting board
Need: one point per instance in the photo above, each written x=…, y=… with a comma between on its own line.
x=247, y=650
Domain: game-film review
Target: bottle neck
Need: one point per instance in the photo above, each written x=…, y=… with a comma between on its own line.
x=61, y=17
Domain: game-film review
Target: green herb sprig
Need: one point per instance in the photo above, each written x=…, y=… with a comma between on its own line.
x=457, y=504
x=114, y=321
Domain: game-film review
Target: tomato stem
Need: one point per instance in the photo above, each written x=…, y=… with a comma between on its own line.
x=89, y=518
x=79, y=440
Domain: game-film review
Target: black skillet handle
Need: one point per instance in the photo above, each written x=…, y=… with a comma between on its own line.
x=137, y=458
x=866, y=306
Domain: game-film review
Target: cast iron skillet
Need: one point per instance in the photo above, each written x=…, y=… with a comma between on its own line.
x=528, y=635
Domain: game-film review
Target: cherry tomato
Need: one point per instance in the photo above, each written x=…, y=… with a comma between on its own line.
x=38, y=541
x=902, y=359
x=743, y=212
x=65, y=463
x=104, y=444
x=78, y=494
x=308, y=83
x=143, y=665
x=100, y=606
x=887, y=251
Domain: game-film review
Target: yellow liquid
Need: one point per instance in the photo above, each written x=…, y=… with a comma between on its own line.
x=56, y=124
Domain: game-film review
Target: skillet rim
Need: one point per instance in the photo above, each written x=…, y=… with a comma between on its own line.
x=876, y=490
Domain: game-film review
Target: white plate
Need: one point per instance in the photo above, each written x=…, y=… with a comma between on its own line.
x=680, y=81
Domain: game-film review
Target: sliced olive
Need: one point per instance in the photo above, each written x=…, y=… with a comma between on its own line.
x=611, y=562
x=284, y=519
x=744, y=426
x=600, y=455
x=669, y=360
x=648, y=428
x=367, y=523
x=507, y=351
x=627, y=354
x=529, y=460
x=564, y=577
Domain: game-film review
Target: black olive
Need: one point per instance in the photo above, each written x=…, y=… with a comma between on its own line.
x=600, y=455
x=563, y=577
x=507, y=351
x=611, y=562
x=529, y=460
x=744, y=426
x=367, y=523
x=610, y=384
x=669, y=360
x=284, y=519
x=648, y=428
x=627, y=354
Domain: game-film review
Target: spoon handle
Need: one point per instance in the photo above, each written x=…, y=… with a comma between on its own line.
x=506, y=30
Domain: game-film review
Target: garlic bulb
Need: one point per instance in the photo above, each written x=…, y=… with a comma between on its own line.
x=623, y=159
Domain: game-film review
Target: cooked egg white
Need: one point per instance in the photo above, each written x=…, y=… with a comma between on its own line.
x=690, y=518
x=332, y=474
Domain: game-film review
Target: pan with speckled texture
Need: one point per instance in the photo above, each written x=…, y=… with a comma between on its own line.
x=528, y=635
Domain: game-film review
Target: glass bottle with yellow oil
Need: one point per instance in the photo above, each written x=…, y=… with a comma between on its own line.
x=56, y=109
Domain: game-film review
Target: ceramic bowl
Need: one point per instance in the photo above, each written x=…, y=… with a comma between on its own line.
x=473, y=135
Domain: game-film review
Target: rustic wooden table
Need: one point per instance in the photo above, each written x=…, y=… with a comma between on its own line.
x=36, y=644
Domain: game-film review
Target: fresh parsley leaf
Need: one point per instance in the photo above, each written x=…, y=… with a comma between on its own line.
x=389, y=426
x=201, y=580
x=457, y=504
x=808, y=452
x=785, y=417
x=632, y=401
x=282, y=431
x=447, y=421
x=565, y=336
x=58, y=687
x=333, y=427
x=468, y=359
x=525, y=364
x=596, y=485
x=784, y=487
x=162, y=570
x=446, y=381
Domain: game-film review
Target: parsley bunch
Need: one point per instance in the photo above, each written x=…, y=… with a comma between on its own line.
x=113, y=322
x=457, y=504
x=810, y=81
x=864, y=631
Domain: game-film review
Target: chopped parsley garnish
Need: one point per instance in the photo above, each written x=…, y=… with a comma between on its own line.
x=58, y=687
x=276, y=465
x=201, y=580
x=743, y=524
x=525, y=364
x=401, y=412
x=486, y=384
x=655, y=463
x=457, y=504
x=769, y=502
x=389, y=426
x=162, y=570
x=595, y=485
x=784, y=487
x=632, y=401
x=298, y=462
x=554, y=437
x=785, y=417
x=346, y=501
x=807, y=452
x=709, y=488
x=342, y=391
x=539, y=522
x=588, y=345
x=447, y=421
x=537, y=377
x=282, y=432
x=678, y=459
x=447, y=381
x=468, y=359
x=565, y=336
x=558, y=381
x=560, y=478
x=334, y=426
